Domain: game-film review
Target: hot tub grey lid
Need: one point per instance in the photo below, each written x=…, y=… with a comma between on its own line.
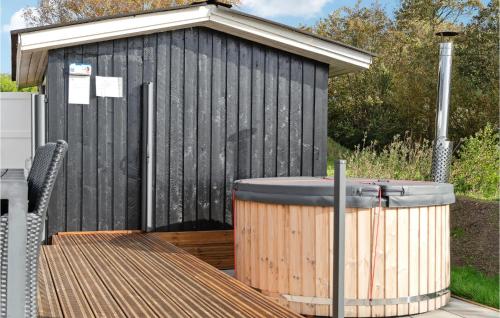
x=361, y=193
x=405, y=193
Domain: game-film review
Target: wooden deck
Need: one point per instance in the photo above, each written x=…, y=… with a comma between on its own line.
x=139, y=275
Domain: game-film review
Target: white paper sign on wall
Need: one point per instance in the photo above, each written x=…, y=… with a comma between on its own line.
x=106, y=86
x=79, y=89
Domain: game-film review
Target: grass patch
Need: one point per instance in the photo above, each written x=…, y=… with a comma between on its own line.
x=457, y=232
x=469, y=283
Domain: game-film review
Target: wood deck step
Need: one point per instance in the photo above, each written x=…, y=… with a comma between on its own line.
x=214, y=247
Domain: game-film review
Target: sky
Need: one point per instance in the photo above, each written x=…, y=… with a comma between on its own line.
x=291, y=12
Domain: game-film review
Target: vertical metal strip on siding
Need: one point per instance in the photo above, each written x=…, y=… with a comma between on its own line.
x=38, y=122
x=149, y=76
x=148, y=159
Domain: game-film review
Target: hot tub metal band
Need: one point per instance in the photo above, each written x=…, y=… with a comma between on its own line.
x=368, y=302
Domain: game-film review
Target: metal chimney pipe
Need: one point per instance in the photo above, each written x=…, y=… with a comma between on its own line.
x=443, y=148
x=443, y=102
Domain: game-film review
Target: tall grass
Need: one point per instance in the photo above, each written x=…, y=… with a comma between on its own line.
x=474, y=172
x=404, y=158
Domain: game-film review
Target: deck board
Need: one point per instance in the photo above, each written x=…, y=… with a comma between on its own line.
x=71, y=297
x=101, y=300
x=48, y=303
x=138, y=275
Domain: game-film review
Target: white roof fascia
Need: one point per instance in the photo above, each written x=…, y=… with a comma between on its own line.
x=112, y=29
x=342, y=59
x=228, y=21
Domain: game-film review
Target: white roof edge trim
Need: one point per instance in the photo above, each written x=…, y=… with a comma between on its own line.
x=111, y=28
x=340, y=58
x=286, y=36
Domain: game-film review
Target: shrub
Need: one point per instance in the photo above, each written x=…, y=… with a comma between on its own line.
x=475, y=172
x=7, y=85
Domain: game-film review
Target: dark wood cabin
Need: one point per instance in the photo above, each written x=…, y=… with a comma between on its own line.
x=233, y=96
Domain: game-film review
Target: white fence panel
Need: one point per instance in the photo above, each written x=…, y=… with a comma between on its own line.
x=15, y=129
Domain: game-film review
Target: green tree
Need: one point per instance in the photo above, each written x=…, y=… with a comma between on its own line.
x=398, y=93
x=361, y=103
x=435, y=12
x=7, y=85
x=475, y=77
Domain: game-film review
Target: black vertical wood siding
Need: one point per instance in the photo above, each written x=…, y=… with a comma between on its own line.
x=74, y=163
x=226, y=109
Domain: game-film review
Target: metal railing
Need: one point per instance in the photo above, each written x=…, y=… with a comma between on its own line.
x=339, y=195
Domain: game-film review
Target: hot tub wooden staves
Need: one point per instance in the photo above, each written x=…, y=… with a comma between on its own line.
x=397, y=259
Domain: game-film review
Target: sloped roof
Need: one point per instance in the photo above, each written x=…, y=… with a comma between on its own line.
x=30, y=46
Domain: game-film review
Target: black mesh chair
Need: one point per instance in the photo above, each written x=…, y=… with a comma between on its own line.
x=41, y=179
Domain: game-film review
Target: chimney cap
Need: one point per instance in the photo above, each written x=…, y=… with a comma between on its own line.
x=447, y=33
x=215, y=2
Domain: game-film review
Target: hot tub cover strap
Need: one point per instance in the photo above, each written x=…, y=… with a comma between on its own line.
x=360, y=193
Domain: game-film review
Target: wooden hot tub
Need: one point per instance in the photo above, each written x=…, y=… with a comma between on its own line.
x=397, y=244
